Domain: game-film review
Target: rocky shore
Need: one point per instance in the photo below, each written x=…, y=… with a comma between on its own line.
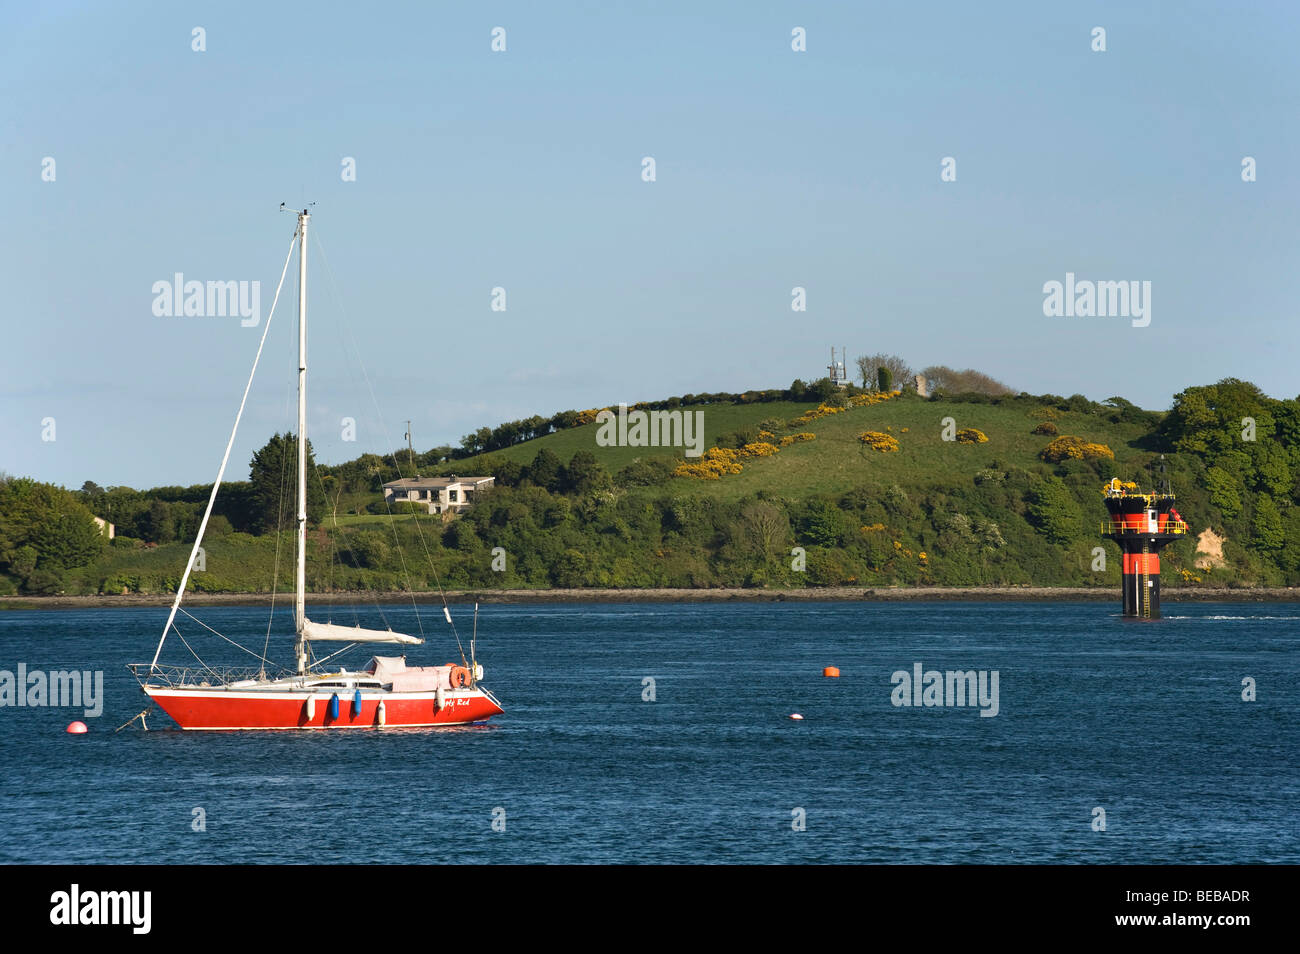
x=1170, y=594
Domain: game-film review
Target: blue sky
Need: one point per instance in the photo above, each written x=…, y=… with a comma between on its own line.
x=522, y=169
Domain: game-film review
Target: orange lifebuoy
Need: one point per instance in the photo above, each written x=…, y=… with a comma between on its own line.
x=459, y=677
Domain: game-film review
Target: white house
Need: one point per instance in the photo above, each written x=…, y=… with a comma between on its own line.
x=439, y=494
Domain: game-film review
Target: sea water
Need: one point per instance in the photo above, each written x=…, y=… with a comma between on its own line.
x=661, y=732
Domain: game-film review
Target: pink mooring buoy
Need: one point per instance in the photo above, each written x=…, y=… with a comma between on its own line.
x=77, y=728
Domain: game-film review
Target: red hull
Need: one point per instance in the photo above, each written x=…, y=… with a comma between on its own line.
x=217, y=710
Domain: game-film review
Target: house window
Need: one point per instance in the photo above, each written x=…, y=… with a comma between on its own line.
x=451, y=495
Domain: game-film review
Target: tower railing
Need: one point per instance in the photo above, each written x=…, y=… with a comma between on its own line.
x=1169, y=526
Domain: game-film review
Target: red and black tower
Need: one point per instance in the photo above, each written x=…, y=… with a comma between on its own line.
x=1142, y=524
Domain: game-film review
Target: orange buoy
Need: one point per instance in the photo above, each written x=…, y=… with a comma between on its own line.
x=796, y=716
x=831, y=672
x=76, y=728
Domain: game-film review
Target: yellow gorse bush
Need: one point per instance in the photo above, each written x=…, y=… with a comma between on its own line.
x=717, y=462
x=877, y=440
x=1069, y=447
x=820, y=411
x=858, y=400
x=971, y=435
x=872, y=397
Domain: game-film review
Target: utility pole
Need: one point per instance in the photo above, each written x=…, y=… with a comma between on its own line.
x=410, y=451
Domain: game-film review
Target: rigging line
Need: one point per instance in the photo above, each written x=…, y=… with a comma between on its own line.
x=351, y=603
x=397, y=466
x=401, y=555
x=221, y=472
x=321, y=662
x=206, y=667
x=334, y=548
x=388, y=440
x=342, y=540
x=279, y=531
x=226, y=638
x=352, y=553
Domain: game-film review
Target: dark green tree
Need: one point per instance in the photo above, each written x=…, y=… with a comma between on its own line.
x=821, y=524
x=1225, y=491
x=647, y=471
x=508, y=473
x=159, y=525
x=1054, y=512
x=544, y=471
x=584, y=473
x=44, y=529
x=1268, y=525
x=822, y=388
x=273, y=474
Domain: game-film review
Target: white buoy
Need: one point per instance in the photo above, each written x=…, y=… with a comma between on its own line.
x=440, y=698
x=380, y=714
x=311, y=708
x=796, y=716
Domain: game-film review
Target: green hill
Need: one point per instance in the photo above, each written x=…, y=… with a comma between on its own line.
x=836, y=462
x=831, y=510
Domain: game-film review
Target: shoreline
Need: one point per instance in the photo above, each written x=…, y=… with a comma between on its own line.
x=834, y=594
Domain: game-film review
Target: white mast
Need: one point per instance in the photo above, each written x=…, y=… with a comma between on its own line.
x=300, y=583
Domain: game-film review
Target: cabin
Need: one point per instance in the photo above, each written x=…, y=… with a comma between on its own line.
x=439, y=494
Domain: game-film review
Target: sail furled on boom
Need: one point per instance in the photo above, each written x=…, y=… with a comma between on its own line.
x=329, y=632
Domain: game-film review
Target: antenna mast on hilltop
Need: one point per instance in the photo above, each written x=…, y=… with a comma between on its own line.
x=839, y=374
x=410, y=451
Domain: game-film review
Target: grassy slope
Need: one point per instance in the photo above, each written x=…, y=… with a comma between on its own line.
x=718, y=419
x=835, y=462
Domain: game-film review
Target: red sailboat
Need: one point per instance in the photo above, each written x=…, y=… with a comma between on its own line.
x=386, y=693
